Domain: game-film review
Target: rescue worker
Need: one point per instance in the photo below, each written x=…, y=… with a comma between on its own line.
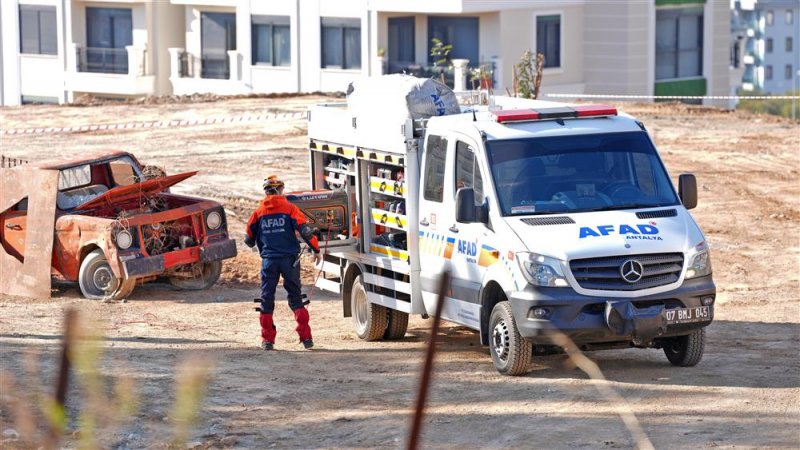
x=272, y=228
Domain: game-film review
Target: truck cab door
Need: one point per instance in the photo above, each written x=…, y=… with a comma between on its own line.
x=471, y=254
x=436, y=215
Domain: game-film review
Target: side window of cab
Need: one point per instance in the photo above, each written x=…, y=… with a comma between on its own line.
x=435, y=157
x=467, y=172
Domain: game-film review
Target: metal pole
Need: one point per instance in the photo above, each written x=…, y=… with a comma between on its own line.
x=416, y=429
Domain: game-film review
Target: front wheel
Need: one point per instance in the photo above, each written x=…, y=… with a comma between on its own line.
x=511, y=353
x=686, y=351
x=97, y=280
x=369, y=319
x=209, y=274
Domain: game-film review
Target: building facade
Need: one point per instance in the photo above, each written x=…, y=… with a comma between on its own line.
x=769, y=31
x=123, y=48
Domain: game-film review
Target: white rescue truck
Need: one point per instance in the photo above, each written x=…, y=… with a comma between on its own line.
x=548, y=216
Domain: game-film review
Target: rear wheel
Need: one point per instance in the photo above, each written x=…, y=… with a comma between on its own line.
x=686, y=351
x=369, y=319
x=209, y=274
x=511, y=353
x=97, y=280
x=397, y=324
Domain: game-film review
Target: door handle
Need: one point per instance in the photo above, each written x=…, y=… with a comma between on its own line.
x=424, y=222
x=14, y=227
x=454, y=228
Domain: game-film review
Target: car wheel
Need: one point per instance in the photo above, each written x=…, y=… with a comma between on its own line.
x=511, y=353
x=209, y=275
x=97, y=280
x=686, y=351
x=369, y=319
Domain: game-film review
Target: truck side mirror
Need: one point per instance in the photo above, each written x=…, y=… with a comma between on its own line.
x=466, y=210
x=687, y=190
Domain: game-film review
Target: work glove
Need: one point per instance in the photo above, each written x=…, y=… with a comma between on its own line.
x=318, y=259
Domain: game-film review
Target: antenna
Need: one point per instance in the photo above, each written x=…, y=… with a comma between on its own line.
x=474, y=119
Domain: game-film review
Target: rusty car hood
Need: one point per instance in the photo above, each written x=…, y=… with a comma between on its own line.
x=145, y=188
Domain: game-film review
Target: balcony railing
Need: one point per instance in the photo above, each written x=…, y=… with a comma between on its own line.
x=102, y=60
x=215, y=66
x=435, y=72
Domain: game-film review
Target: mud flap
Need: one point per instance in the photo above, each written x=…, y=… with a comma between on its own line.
x=31, y=276
x=643, y=324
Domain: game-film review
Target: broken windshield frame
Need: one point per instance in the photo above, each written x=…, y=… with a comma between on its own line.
x=79, y=184
x=571, y=174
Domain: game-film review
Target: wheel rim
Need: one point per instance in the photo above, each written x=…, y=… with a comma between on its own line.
x=360, y=310
x=500, y=341
x=103, y=279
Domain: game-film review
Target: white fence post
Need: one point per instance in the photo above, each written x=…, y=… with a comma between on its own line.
x=460, y=74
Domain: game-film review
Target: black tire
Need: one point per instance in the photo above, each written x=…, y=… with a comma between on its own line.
x=686, y=351
x=210, y=274
x=97, y=280
x=397, y=324
x=369, y=319
x=511, y=353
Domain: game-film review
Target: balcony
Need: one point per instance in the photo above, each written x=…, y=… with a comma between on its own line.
x=214, y=74
x=111, y=71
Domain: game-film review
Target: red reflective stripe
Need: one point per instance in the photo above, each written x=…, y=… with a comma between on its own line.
x=595, y=110
x=512, y=115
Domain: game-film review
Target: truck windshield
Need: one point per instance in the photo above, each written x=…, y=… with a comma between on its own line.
x=594, y=172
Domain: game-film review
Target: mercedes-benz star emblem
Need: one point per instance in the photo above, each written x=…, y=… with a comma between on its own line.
x=631, y=271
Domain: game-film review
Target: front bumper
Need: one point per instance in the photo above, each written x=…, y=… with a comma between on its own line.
x=585, y=319
x=157, y=265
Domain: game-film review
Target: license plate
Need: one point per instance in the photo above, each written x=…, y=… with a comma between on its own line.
x=687, y=315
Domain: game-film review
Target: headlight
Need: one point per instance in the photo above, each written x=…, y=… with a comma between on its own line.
x=700, y=264
x=124, y=239
x=213, y=220
x=541, y=270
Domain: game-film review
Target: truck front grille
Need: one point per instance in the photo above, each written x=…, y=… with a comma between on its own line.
x=606, y=274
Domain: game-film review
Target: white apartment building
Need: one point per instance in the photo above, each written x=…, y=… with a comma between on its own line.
x=128, y=48
x=770, y=31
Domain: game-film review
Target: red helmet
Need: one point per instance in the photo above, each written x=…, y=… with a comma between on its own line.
x=272, y=184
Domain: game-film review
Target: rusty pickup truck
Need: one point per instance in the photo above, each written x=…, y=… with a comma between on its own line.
x=113, y=227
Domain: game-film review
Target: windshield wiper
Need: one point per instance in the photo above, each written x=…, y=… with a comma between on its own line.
x=620, y=207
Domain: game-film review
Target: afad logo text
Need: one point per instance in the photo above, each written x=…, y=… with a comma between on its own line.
x=641, y=232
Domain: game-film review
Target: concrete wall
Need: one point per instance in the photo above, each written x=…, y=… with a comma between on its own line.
x=166, y=32
x=619, y=47
x=716, y=56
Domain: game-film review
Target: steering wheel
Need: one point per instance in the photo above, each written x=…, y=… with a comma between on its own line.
x=623, y=192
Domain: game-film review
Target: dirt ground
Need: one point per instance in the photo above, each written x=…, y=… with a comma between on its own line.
x=352, y=394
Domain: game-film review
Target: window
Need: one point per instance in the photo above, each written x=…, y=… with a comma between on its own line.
x=770, y=17
x=37, y=30
x=271, y=41
x=769, y=45
x=460, y=32
x=787, y=72
x=679, y=43
x=548, y=39
x=789, y=44
x=768, y=72
x=468, y=173
x=108, y=32
x=74, y=177
x=435, y=156
x=341, y=43
x=789, y=17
